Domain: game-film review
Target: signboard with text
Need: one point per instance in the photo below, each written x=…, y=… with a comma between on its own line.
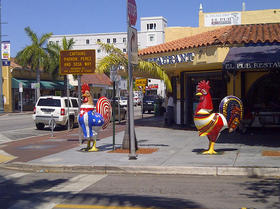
x=77, y=62
x=222, y=19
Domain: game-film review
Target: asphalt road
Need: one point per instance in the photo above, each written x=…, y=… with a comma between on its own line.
x=19, y=126
x=62, y=190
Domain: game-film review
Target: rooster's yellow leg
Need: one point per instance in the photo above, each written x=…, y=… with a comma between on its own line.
x=93, y=148
x=211, y=150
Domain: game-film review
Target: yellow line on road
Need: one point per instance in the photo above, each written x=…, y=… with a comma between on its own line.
x=100, y=207
x=6, y=158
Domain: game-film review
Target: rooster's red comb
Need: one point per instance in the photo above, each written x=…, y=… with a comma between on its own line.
x=203, y=85
x=85, y=88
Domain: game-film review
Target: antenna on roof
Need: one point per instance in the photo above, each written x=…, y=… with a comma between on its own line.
x=200, y=8
x=243, y=6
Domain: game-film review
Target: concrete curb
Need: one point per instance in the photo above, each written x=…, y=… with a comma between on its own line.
x=159, y=170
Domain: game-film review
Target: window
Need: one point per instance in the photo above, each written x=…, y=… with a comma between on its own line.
x=124, y=40
x=151, y=26
x=98, y=40
x=51, y=42
x=98, y=50
x=114, y=40
x=87, y=41
x=74, y=103
x=124, y=50
x=151, y=38
x=108, y=40
x=66, y=103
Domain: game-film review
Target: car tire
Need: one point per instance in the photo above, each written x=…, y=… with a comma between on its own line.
x=40, y=126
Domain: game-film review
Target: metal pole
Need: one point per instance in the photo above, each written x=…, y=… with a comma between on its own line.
x=132, y=153
x=114, y=113
x=1, y=83
x=79, y=102
x=68, y=103
x=21, y=104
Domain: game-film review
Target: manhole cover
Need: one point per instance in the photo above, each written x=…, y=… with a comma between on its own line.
x=40, y=147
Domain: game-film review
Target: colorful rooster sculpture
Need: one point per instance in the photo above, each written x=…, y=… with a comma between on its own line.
x=211, y=124
x=92, y=120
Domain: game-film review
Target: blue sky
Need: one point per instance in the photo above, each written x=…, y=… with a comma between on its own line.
x=98, y=16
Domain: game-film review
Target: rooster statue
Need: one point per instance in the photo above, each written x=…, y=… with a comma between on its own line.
x=211, y=124
x=92, y=120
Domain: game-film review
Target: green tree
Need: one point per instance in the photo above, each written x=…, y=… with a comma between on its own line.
x=116, y=57
x=34, y=55
x=54, y=53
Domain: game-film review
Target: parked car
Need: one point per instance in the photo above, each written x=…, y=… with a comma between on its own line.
x=123, y=101
x=122, y=111
x=149, y=103
x=56, y=107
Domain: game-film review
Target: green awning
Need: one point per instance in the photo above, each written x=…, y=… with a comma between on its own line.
x=26, y=84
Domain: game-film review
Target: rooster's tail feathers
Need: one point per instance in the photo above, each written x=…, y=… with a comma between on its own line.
x=232, y=108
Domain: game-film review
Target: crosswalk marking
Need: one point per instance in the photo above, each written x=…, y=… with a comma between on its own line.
x=74, y=185
x=12, y=176
x=77, y=183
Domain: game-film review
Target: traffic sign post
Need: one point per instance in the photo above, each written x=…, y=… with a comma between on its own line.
x=131, y=20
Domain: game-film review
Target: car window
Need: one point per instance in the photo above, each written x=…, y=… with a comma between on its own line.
x=75, y=103
x=66, y=103
x=49, y=102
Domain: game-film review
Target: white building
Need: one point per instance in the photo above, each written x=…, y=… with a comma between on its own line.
x=151, y=33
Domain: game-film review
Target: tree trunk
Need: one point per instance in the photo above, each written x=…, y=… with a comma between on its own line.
x=126, y=141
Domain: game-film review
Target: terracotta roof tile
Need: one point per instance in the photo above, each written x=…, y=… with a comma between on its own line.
x=96, y=79
x=237, y=34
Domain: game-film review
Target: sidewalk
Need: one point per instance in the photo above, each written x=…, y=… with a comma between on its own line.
x=178, y=152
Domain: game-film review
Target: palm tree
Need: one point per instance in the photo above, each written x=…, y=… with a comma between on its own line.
x=116, y=57
x=54, y=50
x=144, y=69
x=34, y=55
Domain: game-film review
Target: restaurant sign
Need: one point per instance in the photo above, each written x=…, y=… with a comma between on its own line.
x=77, y=62
x=173, y=59
x=252, y=65
x=222, y=19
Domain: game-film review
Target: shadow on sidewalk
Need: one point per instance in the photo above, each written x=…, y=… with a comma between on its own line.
x=269, y=137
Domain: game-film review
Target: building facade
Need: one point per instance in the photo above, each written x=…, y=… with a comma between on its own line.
x=240, y=60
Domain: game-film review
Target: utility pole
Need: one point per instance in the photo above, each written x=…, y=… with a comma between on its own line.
x=1, y=76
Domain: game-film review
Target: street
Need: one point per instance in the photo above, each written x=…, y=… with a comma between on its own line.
x=19, y=126
x=63, y=190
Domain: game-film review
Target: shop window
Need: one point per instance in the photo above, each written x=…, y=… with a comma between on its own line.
x=264, y=95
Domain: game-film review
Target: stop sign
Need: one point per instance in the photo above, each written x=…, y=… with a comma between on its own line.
x=132, y=12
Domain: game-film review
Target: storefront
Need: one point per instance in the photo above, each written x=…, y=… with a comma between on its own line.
x=28, y=92
x=258, y=67
x=212, y=56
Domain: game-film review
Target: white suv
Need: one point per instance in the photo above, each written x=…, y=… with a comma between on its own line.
x=56, y=108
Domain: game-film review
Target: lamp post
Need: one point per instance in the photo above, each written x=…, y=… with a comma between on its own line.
x=1, y=78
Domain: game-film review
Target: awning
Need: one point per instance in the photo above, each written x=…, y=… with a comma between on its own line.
x=50, y=85
x=253, y=58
